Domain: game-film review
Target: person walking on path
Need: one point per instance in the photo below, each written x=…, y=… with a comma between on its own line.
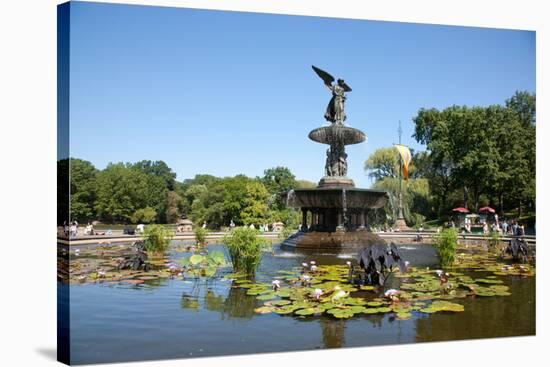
x=505, y=227
x=74, y=229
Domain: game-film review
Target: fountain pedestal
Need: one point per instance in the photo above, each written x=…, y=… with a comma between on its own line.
x=336, y=181
x=338, y=210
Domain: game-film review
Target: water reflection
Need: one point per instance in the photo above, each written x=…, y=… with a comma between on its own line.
x=333, y=332
x=485, y=317
x=236, y=304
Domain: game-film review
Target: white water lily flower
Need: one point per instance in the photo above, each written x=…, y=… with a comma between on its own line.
x=391, y=292
x=317, y=293
x=339, y=294
x=439, y=272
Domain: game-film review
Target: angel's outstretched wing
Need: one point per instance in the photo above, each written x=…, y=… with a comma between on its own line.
x=327, y=78
x=346, y=87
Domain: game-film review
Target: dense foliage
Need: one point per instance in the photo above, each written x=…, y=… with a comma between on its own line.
x=147, y=192
x=245, y=249
x=475, y=156
x=481, y=155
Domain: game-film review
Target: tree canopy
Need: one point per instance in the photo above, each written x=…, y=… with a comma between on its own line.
x=148, y=192
x=486, y=152
x=474, y=156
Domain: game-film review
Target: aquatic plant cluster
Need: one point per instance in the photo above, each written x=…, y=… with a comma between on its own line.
x=245, y=249
x=312, y=289
x=102, y=264
x=327, y=290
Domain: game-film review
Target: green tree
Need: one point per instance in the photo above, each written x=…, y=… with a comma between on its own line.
x=384, y=162
x=144, y=215
x=82, y=189
x=417, y=203
x=487, y=153
x=173, y=205
x=525, y=105
x=255, y=209
x=121, y=191
x=158, y=169
x=234, y=197
x=278, y=179
x=156, y=196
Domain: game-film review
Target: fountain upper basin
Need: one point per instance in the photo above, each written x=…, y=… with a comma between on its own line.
x=337, y=133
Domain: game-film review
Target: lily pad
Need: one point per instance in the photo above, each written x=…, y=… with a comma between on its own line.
x=196, y=259
x=309, y=311
x=438, y=306
x=288, y=309
x=340, y=313
x=280, y=302
x=267, y=296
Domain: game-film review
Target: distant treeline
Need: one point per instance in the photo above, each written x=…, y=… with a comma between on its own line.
x=148, y=192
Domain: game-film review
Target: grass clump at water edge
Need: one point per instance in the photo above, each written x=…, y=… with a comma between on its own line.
x=156, y=238
x=445, y=246
x=200, y=235
x=245, y=248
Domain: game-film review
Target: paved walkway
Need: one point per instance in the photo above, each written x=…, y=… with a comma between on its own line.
x=188, y=236
x=399, y=237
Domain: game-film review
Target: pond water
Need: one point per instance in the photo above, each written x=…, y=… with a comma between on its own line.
x=172, y=318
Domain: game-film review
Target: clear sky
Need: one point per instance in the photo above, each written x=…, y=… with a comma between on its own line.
x=227, y=92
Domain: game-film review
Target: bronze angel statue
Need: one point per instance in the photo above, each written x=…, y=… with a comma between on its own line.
x=335, y=109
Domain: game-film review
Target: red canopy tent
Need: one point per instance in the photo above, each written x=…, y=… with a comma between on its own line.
x=486, y=209
x=461, y=209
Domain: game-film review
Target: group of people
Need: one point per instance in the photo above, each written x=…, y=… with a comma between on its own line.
x=70, y=229
x=262, y=227
x=511, y=228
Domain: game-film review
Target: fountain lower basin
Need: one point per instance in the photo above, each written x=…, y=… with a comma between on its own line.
x=334, y=217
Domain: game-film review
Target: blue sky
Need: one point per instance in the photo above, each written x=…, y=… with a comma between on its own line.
x=227, y=92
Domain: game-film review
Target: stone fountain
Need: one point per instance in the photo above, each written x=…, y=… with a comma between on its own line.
x=334, y=214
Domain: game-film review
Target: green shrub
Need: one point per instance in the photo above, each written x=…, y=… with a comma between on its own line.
x=445, y=246
x=200, y=235
x=156, y=238
x=245, y=249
